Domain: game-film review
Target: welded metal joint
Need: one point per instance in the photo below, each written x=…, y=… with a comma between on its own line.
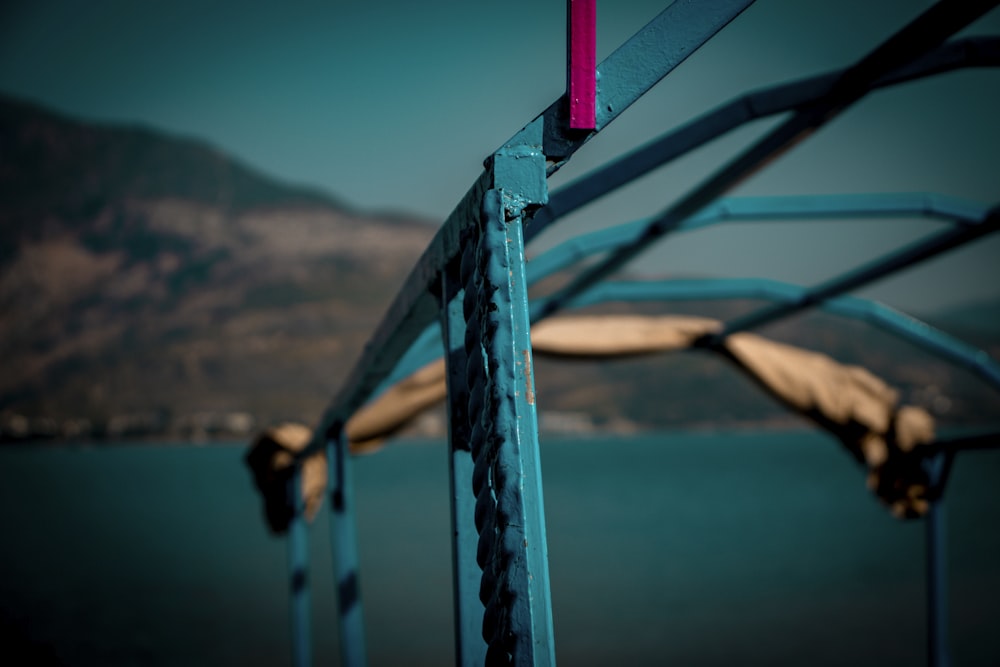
x=519, y=173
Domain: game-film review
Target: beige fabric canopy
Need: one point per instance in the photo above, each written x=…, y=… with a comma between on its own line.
x=861, y=410
x=857, y=407
x=848, y=401
x=618, y=335
x=397, y=407
x=271, y=457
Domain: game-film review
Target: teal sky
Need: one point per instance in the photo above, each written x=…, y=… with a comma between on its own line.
x=392, y=105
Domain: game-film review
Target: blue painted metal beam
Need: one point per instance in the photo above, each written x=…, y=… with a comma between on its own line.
x=502, y=432
x=938, y=649
x=298, y=573
x=742, y=209
x=635, y=67
x=344, y=548
x=470, y=649
x=506, y=480
x=879, y=268
x=921, y=35
x=964, y=53
x=624, y=76
x=507, y=476
x=747, y=209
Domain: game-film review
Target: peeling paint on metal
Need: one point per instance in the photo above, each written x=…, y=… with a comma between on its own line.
x=528, y=381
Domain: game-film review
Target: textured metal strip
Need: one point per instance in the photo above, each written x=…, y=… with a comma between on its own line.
x=517, y=624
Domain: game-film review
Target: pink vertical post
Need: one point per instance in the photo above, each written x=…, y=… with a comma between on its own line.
x=581, y=69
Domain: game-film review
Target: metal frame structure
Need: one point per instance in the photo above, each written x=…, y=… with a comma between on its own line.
x=468, y=296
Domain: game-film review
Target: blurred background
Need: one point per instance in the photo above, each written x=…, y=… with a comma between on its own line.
x=205, y=210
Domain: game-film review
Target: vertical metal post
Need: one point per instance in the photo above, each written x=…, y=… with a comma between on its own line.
x=525, y=426
x=938, y=649
x=344, y=534
x=298, y=572
x=509, y=512
x=470, y=649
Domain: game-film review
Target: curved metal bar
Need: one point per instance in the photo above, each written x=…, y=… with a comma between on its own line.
x=959, y=54
x=888, y=319
x=926, y=248
x=396, y=336
x=652, y=53
x=742, y=209
x=918, y=37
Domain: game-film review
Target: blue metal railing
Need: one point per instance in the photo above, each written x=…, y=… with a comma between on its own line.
x=469, y=294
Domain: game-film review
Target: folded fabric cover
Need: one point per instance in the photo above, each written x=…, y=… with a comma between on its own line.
x=854, y=405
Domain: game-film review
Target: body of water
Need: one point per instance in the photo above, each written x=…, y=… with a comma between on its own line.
x=684, y=549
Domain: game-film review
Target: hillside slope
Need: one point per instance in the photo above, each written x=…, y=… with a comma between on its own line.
x=153, y=285
x=151, y=282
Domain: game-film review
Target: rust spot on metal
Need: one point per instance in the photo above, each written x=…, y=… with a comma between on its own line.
x=528, y=392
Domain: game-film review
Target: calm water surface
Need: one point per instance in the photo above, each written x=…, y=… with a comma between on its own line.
x=677, y=549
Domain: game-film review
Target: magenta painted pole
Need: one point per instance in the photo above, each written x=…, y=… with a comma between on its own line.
x=581, y=68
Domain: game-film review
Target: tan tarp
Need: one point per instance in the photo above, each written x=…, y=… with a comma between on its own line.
x=857, y=407
x=619, y=335
x=270, y=458
x=850, y=402
x=397, y=406
x=272, y=452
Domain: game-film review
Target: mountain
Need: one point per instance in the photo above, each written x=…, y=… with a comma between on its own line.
x=148, y=281
x=151, y=284
x=54, y=167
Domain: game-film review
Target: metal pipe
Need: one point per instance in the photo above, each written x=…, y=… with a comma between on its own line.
x=917, y=332
x=959, y=54
x=883, y=266
x=938, y=649
x=344, y=547
x=919, y=36
x=298, y=573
